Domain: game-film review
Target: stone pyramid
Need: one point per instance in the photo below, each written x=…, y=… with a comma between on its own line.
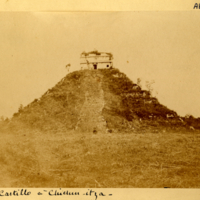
x=103, y=100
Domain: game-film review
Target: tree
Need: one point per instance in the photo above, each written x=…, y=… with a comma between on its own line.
x=149, y=86
x=68, y=67
x=20, y=108
x=139, y=80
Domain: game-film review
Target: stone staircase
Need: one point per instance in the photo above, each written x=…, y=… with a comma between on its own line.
x=91, y=118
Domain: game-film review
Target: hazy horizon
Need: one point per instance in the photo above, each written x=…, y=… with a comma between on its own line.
x=160, y=46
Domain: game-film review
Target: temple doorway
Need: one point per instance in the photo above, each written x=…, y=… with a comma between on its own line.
x=95, y=66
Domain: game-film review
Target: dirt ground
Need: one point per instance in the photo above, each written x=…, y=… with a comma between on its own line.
x=112, y=160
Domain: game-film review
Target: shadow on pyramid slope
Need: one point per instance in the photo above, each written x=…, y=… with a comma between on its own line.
x=103, y=100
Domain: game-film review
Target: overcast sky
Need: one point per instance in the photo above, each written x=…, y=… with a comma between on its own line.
x=160, y=46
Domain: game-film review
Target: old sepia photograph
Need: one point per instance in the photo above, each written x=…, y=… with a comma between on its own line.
x=100, y=99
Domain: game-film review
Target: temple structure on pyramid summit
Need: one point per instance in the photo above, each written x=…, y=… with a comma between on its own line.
x=96, y=60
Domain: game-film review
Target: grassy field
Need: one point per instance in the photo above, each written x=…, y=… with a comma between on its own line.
x=144, y=147
x=71, y=159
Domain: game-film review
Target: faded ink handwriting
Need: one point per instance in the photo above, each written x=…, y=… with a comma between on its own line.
x=54, y=192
